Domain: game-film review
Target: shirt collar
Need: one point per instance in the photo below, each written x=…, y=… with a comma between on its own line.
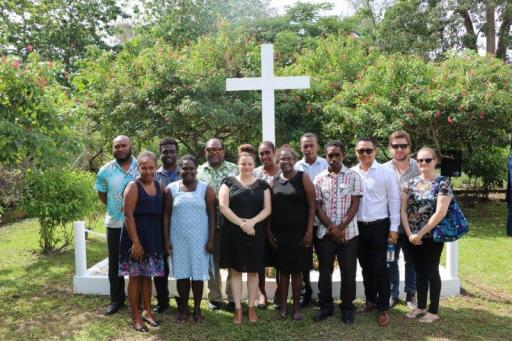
x=133, y=165
x=317, y=161
x=161, y=170
x=343, y=170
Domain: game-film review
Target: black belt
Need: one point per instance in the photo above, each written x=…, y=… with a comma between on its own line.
x=375, y=222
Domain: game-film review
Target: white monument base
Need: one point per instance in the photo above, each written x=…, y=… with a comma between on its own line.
x=94, y=281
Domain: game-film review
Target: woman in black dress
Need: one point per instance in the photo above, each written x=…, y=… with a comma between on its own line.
x=291, y=228
x=244, y=201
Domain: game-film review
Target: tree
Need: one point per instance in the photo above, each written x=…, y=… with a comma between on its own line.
x=162, y=90
x=36, y=113
x=432, y=27
x=59, y=30
x=180, y=22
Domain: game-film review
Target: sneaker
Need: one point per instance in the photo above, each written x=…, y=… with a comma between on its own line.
x=429, y=318
x=347, y=316
x=415, y=313
x=212, y=305
x=411, y=300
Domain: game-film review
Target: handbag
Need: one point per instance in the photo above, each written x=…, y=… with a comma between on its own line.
x=454, y=225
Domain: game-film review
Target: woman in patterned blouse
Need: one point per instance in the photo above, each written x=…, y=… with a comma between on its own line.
x=425, y=201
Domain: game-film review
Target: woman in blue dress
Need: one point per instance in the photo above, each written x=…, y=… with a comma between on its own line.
x=189, y=212
x=141, y=248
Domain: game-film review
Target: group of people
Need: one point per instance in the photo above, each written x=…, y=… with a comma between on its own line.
x=244, y=219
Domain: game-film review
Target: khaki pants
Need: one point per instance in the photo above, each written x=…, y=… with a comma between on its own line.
x=215, y=284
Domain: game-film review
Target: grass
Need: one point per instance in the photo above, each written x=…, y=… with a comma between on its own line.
x=38, y=302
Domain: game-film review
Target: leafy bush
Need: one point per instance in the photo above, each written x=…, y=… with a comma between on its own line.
x=487, y=168
x=57, y=197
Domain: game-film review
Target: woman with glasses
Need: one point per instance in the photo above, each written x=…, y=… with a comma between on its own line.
x=425, y=201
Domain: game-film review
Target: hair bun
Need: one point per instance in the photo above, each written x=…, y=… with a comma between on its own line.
x=246, y=148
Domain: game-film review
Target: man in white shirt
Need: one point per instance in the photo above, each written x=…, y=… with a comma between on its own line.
x=312, y=165
x=378, y=218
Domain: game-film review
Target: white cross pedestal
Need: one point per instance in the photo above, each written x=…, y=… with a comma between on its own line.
x=267, y=83
x=94, y=280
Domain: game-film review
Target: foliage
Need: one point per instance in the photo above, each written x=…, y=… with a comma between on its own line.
x=489, y=165
x=161, y=91
x=59, y=30
x=449, y=105
x=181, y=22
x=36, y=113
x=433, y=27
x=57, y=197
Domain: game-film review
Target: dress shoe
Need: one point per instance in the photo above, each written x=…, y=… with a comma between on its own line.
x=383, y=319
x=369, y=306
x=322, y=315
x=113, y=308
x=160, y=308
x=212, y=305
x=305, y=300
x=230, y=306
x=347, y=316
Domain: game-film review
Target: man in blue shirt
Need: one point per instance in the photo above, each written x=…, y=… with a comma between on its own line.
x=169, y=172
x=111, y=180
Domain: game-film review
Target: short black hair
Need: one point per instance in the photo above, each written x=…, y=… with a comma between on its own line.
x=367, y=139
x=188, y=157
x=309, y=135
x=166, y=141
x=335, y=143
x=215, y=138
x=269, y=144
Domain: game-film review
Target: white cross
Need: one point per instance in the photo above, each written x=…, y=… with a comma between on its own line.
x=267, y=83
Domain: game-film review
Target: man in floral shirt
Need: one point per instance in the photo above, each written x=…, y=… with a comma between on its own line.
x=213, y=171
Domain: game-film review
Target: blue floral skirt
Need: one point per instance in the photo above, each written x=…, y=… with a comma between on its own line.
x=150, y=266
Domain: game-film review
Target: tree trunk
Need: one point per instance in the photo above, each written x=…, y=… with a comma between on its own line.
x=490, y=28
x=470, y=30
x=501, y=51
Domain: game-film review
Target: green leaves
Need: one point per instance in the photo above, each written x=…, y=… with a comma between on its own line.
x=57, y=197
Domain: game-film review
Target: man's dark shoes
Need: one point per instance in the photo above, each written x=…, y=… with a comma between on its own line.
x=230, y=306
x=212, y=305
x=322, y=315
x=305, y=300
x=113, y=308
x=369, y=306
x=161, y=308
x=347, y=316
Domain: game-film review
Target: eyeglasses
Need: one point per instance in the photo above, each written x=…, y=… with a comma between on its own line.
x=400, y=145
x=214, y=150
x=364, y=150
x=429, y=160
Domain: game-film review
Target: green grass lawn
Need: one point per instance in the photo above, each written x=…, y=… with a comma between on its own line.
x=38, y=300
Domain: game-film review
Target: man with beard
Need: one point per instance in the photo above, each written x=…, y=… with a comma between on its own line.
x=213, y=172
x=405, y=169
x=338, y=192
x=111, y=180
x=169, y=172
